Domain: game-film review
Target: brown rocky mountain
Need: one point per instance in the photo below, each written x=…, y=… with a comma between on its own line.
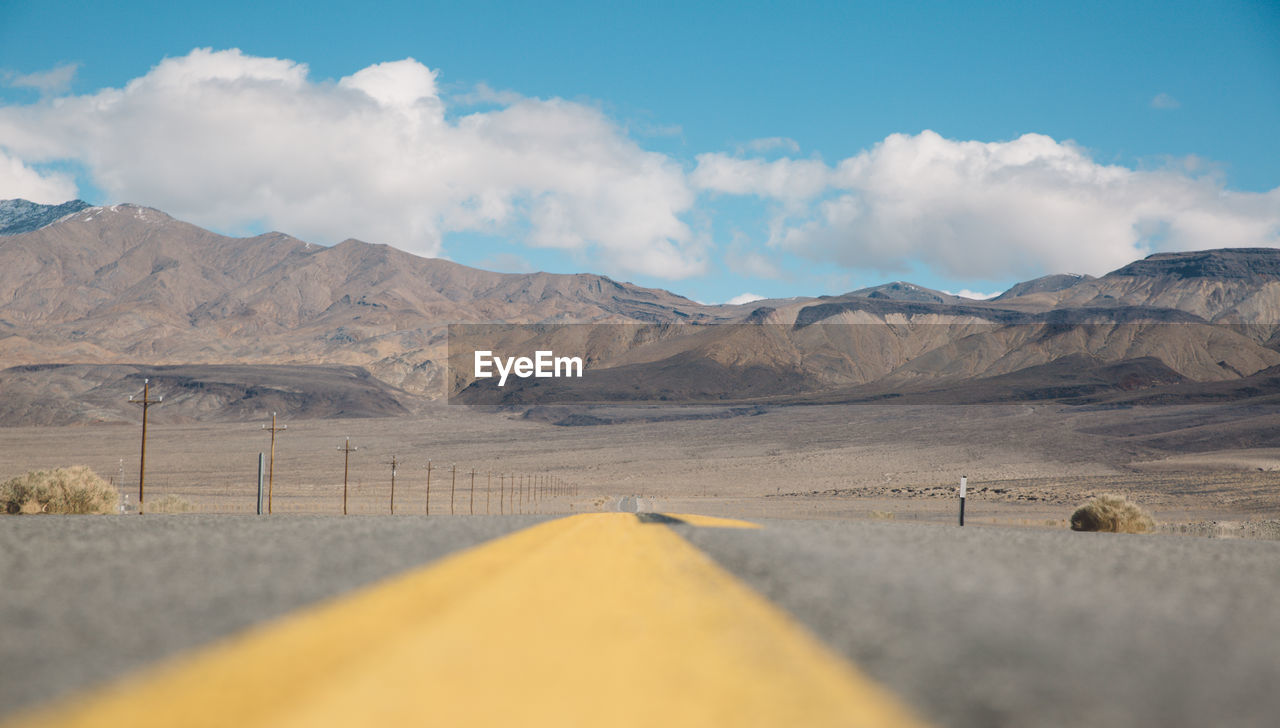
x=1185, y=318
x=125, y=291
x=128, y=284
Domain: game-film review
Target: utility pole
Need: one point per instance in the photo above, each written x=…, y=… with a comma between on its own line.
x=145, y=403
x=393, y=463
x=453, y=482
x=428, y=511
x=502, y=493
x=473, y=491
x=346, y=467
x=271, y=464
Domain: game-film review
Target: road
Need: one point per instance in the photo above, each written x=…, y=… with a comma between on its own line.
x=926, y=623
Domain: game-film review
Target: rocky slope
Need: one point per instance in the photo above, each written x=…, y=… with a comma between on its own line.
x=23, y=216
x=128, y=284
x=132, y=288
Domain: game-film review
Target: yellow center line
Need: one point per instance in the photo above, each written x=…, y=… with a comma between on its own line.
x=592, y=620
x=694, y=519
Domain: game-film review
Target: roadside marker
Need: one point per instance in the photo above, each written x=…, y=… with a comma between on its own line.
x=964, y=480
x=428, y=508
x=261, y=460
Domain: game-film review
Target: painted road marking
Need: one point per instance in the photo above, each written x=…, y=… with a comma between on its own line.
x=711, y=521
x=592, y=620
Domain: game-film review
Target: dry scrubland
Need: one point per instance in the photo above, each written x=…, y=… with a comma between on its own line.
x=1027, y=465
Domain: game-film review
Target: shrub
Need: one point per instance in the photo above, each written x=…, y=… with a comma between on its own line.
x=1113, y=513
x=62, y=490
x=170, y=503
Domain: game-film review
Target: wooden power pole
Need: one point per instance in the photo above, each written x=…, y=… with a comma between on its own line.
x=346, y=467
x=271, y=464
x=145, y=403
x=393, y=463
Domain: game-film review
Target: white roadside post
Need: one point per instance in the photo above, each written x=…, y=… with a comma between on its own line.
x=964, y=481
x=261, y=463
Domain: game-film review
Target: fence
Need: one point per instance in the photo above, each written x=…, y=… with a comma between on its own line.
x=449, y=490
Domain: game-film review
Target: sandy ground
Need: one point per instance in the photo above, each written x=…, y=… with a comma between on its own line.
x=1027, y=465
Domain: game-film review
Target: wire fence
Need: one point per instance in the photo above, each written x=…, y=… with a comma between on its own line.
x=449, y=490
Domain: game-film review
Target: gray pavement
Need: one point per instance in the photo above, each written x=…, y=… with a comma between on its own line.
x=974, y=627
x=86, y=598
x=990, y=627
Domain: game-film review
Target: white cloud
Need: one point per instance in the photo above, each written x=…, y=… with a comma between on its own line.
x=19, y=180
x=233, y=141
x=743, y=298
x=782, y=179
x=1164, y=101
x=483, y=94
x=993, y=209
x=229, y=140
x=770, y=144
x=966, y=293
x=55, y=80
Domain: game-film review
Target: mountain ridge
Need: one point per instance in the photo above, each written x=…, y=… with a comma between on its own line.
x=125, y=284
x=22, y=216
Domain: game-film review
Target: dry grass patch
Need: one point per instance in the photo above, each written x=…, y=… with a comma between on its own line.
x=62, y=490
x=1112, y=513
x=170, y=503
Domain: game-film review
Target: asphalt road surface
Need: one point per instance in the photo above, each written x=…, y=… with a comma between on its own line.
x=970, y=627
x=87, y=598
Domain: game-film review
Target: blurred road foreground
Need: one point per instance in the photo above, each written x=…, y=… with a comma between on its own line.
x=627, y=618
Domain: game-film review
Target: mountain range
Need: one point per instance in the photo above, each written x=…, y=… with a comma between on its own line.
x=117, y=292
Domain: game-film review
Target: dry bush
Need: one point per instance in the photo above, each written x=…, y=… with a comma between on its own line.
x=1112, y=513
x=62, y=490
x=170, y=503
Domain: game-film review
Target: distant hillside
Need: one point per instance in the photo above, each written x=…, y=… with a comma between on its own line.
x=1044, y=284
x=903, y=291
x=22, y=216
x=61, y=394
x=130, y=288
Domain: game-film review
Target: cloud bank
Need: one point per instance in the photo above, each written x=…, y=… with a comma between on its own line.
x=990, y=209
x=233, y=141
x=229, y=140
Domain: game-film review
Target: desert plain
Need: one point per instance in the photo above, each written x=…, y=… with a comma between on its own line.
x=1027, y=465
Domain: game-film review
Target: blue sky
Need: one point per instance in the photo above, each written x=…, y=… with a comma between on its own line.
x=772, y=148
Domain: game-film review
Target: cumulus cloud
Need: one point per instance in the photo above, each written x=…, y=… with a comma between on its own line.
x=992, y=209
x=788, y=180
x=230, y=140
x=234, y=141
x=743, y=298
x=19, y=180
x=771, y=144
x=1164, y=101
x=975, y=295
x=55, y=80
